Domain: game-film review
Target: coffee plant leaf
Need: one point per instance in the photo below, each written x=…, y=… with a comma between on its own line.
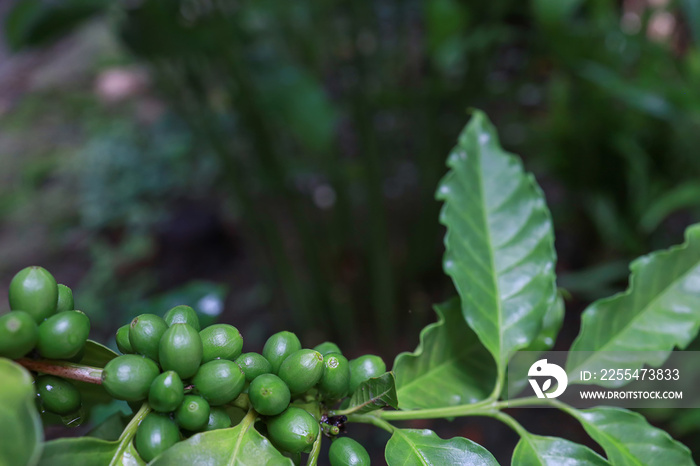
x=375, y=393
x=628, y=439
x=551, y=324
x=97, y=355
x=423, y=446
x=499, y=242
x=643, y=324
x=536, y=450
x=236, y=446
x=21, y=432
x=90, y=451
x=449, y=367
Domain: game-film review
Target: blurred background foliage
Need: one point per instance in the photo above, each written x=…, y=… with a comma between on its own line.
x=284, y=155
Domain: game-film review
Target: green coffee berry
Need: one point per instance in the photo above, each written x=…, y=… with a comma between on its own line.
x=155, y=434
x=295, y=430
x=180, y=350
x=327, y=347
x=182, y=315
x=63, y=335
x=278, y=347
x=166, y=392
x=219, y=381
x=221, y=341
x=269, y=395
x=253, y=365
x=129, y=377
x=57, y=395
x=302, y=370
x=65, y=299
x=34, y=290
x=144, y=334
x=18, y=334
x=364, y=368
x=193, y=413
x=122, y=338
x=335, y=380
x=345, y=451
x=218, y=419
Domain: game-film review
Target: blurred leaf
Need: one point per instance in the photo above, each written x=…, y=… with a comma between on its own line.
x=37, y=22
x=691, y=10
x=499, y=242
x=21, y=432
x=655, y=314
x=414, y=446
x=628, y=439
x=97, y=355
x=111, y=428
x=206, y=298
x=534, y=450
x=679, y=197
x=595, y=282
x=449, y=367
x=89, y=451
x=554, y=12
x=375, y=393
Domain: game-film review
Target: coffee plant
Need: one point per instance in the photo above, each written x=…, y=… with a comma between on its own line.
x=197, y=398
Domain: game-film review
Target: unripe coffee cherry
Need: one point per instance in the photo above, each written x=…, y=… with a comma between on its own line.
x=295, y=430
x=122, y=338
x=57, y=395
x=129, y=377
x=34, y=290
x=269, y=395
x=193, y=413
x=180, y=350
x=166, y=392
x=221, y=341
x=302, y=370
x=335, y=381
x=63, y=335
x=327, y=347
x=278, y=347
x=253, y=365
x=65, y=299
x=218, y=419
x=345, y=451
x=219, y=381
x=364, y=368
x=144, y=334
x=182, y=315
x=18, y=334
x=155, y=434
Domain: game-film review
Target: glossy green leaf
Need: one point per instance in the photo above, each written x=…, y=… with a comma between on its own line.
x=424, y=447
x=449, y=367
x=656, y=313
x=237, y=446
x=535, y=450
x=499, y=242
x=375, y=393
x=628, y=439
x=97, y=355
x=21, y=433
x=89, y=451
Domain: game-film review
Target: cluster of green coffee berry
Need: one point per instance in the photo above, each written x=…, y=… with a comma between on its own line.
x=192, y=378
x=188, y=376
x=43, y=318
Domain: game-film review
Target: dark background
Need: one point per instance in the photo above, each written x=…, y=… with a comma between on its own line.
x=274, y=163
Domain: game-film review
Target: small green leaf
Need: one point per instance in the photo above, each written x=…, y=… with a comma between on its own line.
x=21, y=432
x=375, y=393
x=628, y=439
x=499, y=242
x=535, y=450
x=97, y=355
x=656, y=313
x=237, y=446
x=89, y=451
x=415, y=446
x=449, y=367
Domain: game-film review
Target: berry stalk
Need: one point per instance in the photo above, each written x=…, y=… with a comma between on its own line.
x=66, y=370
